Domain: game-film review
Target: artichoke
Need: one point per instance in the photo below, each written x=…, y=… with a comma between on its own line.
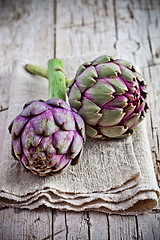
x=47, y=136
x=110, y=95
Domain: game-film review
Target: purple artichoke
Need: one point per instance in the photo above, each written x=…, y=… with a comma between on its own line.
x=110, y=96
x=47, y=136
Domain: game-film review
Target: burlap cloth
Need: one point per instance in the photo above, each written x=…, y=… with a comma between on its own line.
x=113, y=175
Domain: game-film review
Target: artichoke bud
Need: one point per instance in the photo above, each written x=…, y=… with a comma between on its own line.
x=110, y=95
x=47, y=136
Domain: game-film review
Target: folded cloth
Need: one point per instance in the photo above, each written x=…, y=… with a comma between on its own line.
x=112, y=176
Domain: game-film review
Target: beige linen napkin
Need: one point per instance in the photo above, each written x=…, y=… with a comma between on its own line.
x=112, y=176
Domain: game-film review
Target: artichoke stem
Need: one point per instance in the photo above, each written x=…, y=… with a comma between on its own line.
x=57, y=81
x=36, y=70
x=39, y=71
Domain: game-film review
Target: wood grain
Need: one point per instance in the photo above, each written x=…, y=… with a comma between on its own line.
x=89, y=31
x=150, y=73
x=26, y=32
x=99, y=226
x=39, y=30
x=122, y=227
x=60, y=230
x=77, y=225
x=23, y=224
x=148, y=226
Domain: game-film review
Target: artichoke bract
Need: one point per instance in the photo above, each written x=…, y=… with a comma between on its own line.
x=48, y=136
x=110, y=95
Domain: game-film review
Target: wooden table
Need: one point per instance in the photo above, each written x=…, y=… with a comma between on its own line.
x=39, y=30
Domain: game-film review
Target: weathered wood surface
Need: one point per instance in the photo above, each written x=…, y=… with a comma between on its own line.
x=39, y=30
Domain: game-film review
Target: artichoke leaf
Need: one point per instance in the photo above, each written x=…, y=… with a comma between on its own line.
x=44, y=123
x=70, y=83
x=118, y=101
x=90, y=112
x=62, y=141
x=114, y=131
x=107, y=70
x=118, y=84
x=80, y=124
x=76, y=145
x=86, y=78
x=80, y=70
x=128, y=133
x=75, y=97
x=54, y=159
x=129, y=110
x=29, y=137
x=140, y=106
x=111, y=116
x=64, y=118
x=101, y=59
x=57, y=102
x=65, y=160
x=47, y=146
x=16, y=144
x=34, y=108
x=86, y=64
x=125, y=64
x=92, y=132
x=24, y=162
x=17, y=125
x=100, y=93
x=127, y=74
x=140, y=78
x=132, y=120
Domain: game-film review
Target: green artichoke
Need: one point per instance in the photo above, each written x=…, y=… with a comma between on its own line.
x=110, y=95
x=47, y=136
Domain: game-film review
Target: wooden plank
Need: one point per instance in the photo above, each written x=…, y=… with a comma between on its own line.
x=154, y=30
x=76, y=30
x=23, y=224
x=155, y=44
x=3, y=118
x=82, y=27
x=122, y=227
x=4, y=91
x=59, y=225
x=99, y=226
x=131, y=44
x=148, y=226
x=76, y=225
x=150, y=75
x=132, y=24
x=85, y=27
x=26, y=32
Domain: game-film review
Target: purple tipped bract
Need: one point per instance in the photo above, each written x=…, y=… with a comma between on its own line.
x=47, y=136
x=110, y=95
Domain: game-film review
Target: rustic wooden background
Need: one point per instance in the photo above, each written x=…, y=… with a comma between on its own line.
x=40, y=29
